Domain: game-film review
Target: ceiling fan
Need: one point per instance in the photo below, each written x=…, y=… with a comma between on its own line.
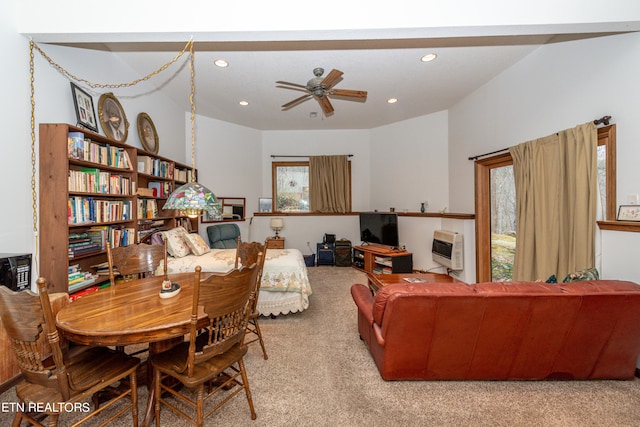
x=321, y=89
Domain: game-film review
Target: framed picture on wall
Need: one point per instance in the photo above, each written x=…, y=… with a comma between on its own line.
x=629, y=213
x=85, y=111
x=265, y=205
x=147, y=133
x=112, y=118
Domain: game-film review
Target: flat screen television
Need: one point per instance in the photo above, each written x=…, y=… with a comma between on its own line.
x=379, y=228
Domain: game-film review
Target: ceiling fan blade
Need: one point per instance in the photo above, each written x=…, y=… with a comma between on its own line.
x=280, y=82
x=295, y=102
x=332, y=78
x=326, y=106
x=292, y=88
x=346, y=93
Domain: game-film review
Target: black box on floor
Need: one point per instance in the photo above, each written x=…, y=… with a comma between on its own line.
x=325, y=253
x=343, y=253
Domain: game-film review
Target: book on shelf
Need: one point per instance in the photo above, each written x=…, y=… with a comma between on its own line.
x=156, y=167
x=85, y=210
x=85, y=149
x=160, y=189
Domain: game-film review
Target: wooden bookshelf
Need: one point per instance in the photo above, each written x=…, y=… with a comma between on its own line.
x=84, y=193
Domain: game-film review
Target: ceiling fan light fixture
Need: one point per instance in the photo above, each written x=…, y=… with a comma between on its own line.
x=392, y=100
x=321, y=89
x=221, y=63
x=243, y=103
x=428, y=57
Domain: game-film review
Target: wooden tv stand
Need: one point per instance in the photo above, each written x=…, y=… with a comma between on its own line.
x=382, y=259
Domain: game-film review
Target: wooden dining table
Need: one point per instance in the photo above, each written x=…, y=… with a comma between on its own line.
x=129, y=313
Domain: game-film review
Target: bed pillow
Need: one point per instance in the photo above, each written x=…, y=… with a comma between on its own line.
x=197, y=244
x=177, y=242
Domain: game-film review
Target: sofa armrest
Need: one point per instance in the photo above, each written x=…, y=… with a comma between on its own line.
x=364, y=300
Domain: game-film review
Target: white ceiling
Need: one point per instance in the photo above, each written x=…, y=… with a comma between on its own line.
x=383, y=68
x=421, y=88
x=377, y=48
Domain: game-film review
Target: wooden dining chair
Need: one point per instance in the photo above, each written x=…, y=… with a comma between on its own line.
x=247, y=254
x=135, y=261
x=215, y=349
x=55, y=379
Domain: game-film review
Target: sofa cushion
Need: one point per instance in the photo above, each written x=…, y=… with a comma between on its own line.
x=599, y=287
x=580, y=275
x=426, y=289
x=515, y=288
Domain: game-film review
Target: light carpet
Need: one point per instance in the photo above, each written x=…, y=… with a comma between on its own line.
x=320, y=373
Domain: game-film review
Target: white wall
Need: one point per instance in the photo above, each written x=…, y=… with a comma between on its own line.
x=300, y=230
x=16, y=235
x=228, y=159
x=408, y=164
x=556, y=87
x=54, y=104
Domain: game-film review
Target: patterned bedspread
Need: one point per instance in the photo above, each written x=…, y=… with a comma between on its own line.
x=284, y=269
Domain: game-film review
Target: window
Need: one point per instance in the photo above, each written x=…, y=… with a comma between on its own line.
x=290, y=186
x=493, y=205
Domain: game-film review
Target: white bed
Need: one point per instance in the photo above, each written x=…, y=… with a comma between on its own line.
x=285, y=284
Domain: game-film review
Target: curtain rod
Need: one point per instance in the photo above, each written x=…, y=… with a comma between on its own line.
x=602, y=120
x=273, y=156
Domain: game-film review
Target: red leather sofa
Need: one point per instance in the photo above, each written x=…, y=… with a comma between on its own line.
x=499, y=331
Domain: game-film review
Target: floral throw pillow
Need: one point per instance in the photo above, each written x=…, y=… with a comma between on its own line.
x=197, y=244
x=581, y=275
x=176, y=242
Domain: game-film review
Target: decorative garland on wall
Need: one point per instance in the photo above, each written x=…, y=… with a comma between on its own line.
x=33, y=46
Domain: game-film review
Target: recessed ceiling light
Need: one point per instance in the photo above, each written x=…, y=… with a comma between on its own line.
x=428, y=57
x=244, y=103
x=392, y=100
x=221, y=63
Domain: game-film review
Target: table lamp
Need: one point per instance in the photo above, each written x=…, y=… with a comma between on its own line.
x=276, y=225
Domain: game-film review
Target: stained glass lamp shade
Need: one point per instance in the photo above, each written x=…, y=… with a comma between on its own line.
x=191, y=199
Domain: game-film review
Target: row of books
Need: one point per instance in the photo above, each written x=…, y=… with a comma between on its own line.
x=79, y=279
x=82, y=148
x=87, y=242
x=149, y=226
x=160, y=189
x=86, y=210
x=155, y=167
x=96, y=181
x=184, y=175
x=147, y=208
x=116, y=235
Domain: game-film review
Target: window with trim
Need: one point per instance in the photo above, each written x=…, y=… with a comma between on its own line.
x=493, y=244
x=290, y=186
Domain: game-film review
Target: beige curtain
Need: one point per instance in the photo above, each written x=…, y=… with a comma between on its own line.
x=329, y=184
x=556, y=192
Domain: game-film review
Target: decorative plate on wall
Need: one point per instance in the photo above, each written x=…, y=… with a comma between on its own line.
x=112, y=118
x=147, y=133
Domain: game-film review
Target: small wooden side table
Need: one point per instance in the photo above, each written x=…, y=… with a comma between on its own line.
x=273, y=243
